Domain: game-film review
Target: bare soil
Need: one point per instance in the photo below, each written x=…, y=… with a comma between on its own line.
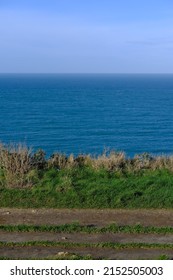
x=86, y=238
x=97, y=253
x=95, y=217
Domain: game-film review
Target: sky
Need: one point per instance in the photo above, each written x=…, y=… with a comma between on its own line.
x=86, y=36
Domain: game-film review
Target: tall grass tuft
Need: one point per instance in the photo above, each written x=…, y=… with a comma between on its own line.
x=57, y=160
x=15, y=164
x=20, y=168
x=113, y=161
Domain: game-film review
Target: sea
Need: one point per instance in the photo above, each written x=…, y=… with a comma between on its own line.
x=88, y=113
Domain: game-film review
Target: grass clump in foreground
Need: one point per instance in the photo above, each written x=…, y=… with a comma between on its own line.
x=76, y=228
x=107, y=181
x=70, y=245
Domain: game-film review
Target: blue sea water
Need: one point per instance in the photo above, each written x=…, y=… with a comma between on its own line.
x=81, y=113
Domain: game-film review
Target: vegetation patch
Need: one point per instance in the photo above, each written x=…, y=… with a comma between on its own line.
x=110, y=180
x=76, y=228
x=68, y=245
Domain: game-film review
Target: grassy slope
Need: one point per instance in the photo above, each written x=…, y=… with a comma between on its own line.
x=88, y=188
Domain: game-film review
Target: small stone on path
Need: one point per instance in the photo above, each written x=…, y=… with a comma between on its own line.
x=64, y=238
x=62, y=254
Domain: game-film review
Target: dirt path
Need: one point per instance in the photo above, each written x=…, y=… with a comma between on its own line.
x=85, y=237
x=93, y=217
x=96, y=217
x=119, y=254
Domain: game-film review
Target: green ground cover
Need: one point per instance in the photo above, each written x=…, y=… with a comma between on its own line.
x=88, y=188
x=68, y=245
x=76, y=228
x=107, y=181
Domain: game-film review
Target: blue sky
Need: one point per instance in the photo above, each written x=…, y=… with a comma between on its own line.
x=86, y=36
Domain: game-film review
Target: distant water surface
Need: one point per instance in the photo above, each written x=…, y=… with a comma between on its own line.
x=86, y=113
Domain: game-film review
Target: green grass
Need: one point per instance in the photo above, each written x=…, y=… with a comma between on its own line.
x=75, y=227
x=163, y=257
x=88, y=188
x=110, y=180
x=69, y=245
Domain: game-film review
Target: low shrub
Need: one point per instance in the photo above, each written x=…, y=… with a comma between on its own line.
x=15, y=163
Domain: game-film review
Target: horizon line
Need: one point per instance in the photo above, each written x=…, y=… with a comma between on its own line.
x=87, y=73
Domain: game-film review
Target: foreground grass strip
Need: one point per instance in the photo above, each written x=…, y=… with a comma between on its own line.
x=82, y=187
x=74, y=227
x=68, y=245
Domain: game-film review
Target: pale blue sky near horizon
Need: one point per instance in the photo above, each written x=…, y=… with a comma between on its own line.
x=92, y=36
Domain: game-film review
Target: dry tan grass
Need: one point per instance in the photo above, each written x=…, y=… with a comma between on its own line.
x=18, y=165
x=15, y=161
x=112, y=162
x=71, y=162
x=161, y=162
x=57, y=160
